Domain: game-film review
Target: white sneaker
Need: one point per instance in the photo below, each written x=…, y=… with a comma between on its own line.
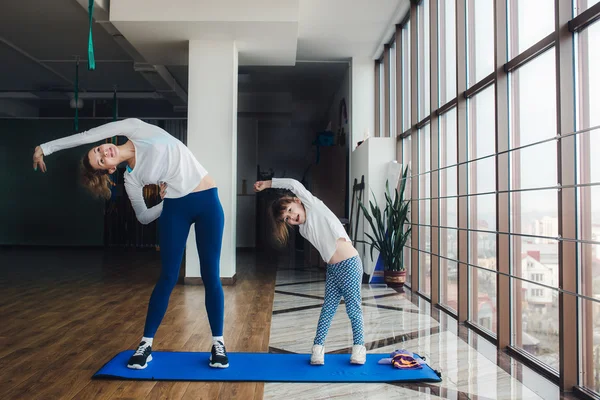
x=318, y=355
x=359, y=354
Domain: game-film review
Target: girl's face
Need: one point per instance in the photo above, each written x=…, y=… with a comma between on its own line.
x=294, y=214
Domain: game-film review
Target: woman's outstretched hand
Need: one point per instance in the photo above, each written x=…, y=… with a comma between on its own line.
x=38, y=159
x=261, y=185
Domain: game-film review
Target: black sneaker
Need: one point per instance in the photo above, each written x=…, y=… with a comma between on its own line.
x=141, y=357
x=218, y=356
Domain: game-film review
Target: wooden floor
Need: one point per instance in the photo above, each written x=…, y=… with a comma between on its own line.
x=65, y=313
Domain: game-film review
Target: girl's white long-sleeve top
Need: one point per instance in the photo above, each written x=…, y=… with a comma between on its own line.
x=321, y=228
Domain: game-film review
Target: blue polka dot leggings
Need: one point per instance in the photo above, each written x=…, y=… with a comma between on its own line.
x=343, y=280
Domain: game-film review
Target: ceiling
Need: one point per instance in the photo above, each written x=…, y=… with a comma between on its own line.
x=141, y=48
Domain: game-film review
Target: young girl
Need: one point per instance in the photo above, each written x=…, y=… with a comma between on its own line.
x=344, y=269
x=153, y=156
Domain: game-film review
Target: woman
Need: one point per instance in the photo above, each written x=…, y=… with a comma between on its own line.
x=190, y=197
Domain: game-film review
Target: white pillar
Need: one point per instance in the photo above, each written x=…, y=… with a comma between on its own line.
x=212, y=135
x=362, y=109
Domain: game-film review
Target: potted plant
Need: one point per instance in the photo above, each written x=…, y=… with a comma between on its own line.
x=390, y=231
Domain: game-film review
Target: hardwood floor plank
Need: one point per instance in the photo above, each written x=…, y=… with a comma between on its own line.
x=168, y=391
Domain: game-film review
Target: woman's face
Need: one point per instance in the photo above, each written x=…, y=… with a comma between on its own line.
x=104, y=157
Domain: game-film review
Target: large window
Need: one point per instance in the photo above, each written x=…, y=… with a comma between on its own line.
x=424, y=180
x=503, y=138
x=448, y=212
x=588, y=173
x=534, y=207
x=482, y=209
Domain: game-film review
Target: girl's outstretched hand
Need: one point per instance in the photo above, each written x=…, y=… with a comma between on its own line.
x=38, y=159
x=261, y=185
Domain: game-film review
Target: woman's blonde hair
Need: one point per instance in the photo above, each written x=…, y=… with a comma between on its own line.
x=280, y=227
x=97, y=181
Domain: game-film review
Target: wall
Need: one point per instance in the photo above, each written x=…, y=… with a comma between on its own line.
x=339, y=182
x=45, y=209
x=334, y=110
x=362, y=109
x=285, y=147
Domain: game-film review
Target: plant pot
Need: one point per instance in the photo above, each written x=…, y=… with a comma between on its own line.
x=394, y=278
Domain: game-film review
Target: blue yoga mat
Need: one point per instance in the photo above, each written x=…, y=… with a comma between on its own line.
x=262, y=367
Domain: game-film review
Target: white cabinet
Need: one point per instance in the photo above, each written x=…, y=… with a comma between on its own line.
x=370, y=159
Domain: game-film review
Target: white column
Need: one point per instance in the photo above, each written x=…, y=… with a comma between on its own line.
x=212, y=135
x=361, y=110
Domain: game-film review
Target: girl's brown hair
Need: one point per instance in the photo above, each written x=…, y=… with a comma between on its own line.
x=280, y=227
x=96, y=181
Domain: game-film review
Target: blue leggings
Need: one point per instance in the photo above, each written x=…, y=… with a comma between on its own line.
x=343, y=279
x=205, y=211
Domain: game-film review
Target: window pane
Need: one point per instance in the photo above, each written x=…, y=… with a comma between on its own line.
x=535, y=213
x=588, y=172
x=423, y=60
x=480, y=31
x=483, y=298
x=482, y=213
x=533, y=101
x=590, y=351
x=424, y=155
x=482, y=176
x=449, y=267
x=482, y=124
x=482, y=252
x=449, y=212
x=483, y=248
x=535, y=320
x=447, y=161
x=407, y=259
x=447, y=50
x=448, y=143
x=582, y=5
x=530, y=21
x=406, y=81
x=525, y=165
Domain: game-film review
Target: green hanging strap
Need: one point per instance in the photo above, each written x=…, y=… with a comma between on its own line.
x=77, y=96
x=115, y=108
x=115, y=104
x=91, y=60
x=113, y=140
